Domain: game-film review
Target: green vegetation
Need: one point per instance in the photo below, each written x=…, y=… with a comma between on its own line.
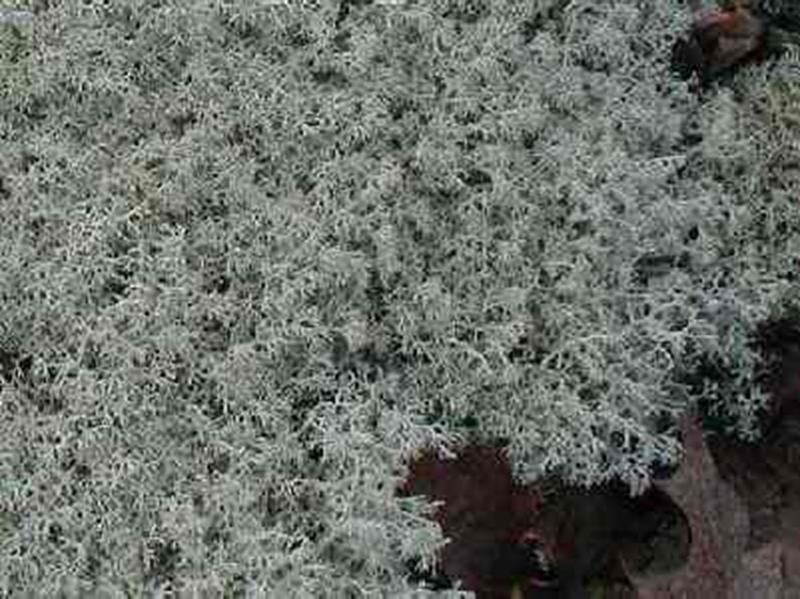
x=255, y=257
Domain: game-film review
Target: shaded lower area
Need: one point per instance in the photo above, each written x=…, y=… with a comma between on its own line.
x=549, y=540
x=510, y=540
x=766, y=473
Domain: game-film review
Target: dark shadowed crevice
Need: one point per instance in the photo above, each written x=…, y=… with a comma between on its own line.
x=544, y=540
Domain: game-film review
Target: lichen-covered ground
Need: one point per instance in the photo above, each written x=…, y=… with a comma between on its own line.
x=256, y=257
